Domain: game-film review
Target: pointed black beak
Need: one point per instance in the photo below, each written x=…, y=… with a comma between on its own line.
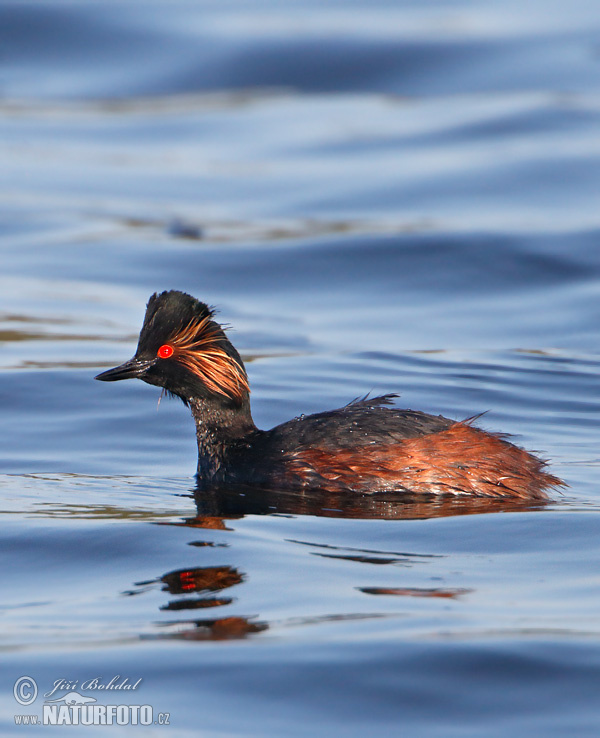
x=132, y=369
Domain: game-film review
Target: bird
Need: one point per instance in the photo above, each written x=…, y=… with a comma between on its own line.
x=366, y=447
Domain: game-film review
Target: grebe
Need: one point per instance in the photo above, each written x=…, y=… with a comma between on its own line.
x=365, y=447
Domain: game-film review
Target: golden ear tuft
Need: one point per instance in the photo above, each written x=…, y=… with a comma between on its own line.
x=197, y=346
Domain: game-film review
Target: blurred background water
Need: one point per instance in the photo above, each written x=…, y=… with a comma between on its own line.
x=378, y=196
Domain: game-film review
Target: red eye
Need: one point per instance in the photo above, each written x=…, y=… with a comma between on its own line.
x=165, y=351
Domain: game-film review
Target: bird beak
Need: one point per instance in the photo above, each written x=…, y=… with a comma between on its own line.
x=132, y=369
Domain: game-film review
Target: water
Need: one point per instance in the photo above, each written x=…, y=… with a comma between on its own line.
x=379, y=197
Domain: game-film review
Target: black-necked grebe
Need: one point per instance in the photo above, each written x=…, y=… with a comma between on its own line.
x=365, y=447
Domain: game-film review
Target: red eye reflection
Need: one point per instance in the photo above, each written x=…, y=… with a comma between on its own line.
x=165, y=351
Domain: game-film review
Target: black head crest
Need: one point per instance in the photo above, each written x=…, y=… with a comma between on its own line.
x=182, y=349
x=180, y=329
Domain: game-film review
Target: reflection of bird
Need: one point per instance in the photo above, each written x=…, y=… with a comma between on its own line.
x=366, y=446
x=215, y=507
x=73, y=698
x=221, y=629
x=207, y=579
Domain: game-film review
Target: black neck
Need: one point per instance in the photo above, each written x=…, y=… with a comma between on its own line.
x=218, y=427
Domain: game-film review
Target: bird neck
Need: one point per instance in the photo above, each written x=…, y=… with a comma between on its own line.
x=218, y=428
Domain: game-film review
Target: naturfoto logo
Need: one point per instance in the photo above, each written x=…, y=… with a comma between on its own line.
x=65, y=705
